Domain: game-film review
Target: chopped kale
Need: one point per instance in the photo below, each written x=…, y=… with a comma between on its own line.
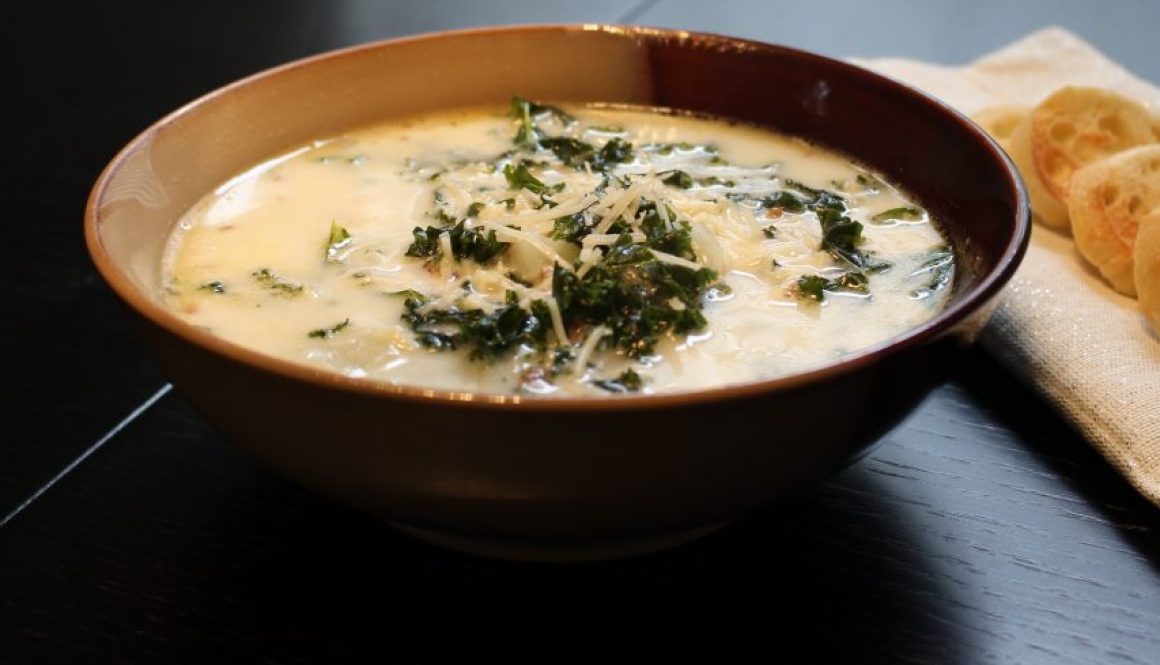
x=474, y=208
x=852, y=282
x=571, y=228
x=870, y=183
x=638, y=297
x=939, y=265
x=840, y=234
x=570, y=151
x=769, y=231
x=628, y=382
x=215, y=287
x=525, y=112
x=814, y=287
x=804, y=189
x=671, y=237
x=474, y=244
x=519, y=177
x=425, y=243
x=576, y=153
x=902, y=213
x=279, y=285
x=615, y=151
x=619, y=227
x=466, y=243
x=410, y=295
x=327, y=333
x=786, y=201
x=682, y=146
x=488, y=335
x=714, y=180
x=338, y=240
x=678, y=179
x=841, y=238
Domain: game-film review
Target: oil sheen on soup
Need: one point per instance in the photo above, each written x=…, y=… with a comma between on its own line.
x=558, y=251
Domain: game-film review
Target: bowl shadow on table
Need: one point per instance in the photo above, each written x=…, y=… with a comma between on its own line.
x=825, y=571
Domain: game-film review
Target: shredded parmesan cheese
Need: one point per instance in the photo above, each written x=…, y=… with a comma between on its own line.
x=589, y=347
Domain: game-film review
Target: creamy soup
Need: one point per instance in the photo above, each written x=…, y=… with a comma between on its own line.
x=558, y=251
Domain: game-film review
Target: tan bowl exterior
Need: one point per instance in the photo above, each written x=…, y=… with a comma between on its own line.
x=506, y=469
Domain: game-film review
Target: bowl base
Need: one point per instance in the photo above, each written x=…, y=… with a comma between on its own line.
x=554, y=551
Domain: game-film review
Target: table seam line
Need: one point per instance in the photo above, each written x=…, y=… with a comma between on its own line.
x=636, y=11
x=100, y=443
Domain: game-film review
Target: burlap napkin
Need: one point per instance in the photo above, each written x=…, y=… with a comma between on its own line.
x=1058, y=325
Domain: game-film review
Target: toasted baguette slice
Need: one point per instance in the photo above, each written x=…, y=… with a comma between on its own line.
x=1000, y=122
x=1047, y=209
x=1076, y=126
x=1106, y=201
x=1147, y=268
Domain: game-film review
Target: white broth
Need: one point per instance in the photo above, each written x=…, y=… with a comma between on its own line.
x=583, y=251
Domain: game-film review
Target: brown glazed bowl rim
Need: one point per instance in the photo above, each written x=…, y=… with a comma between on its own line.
x=977, y=296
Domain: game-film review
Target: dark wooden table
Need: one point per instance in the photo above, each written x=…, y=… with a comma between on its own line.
x=982, y=530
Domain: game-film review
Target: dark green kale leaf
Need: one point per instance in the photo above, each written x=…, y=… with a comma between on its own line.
x=488, y=335
x=637, y=297
x=678, y=179
x=275, y=283
x=215, y=287
x=425, y=243
x=870, y=183
x=683, y=146
x=670, y=237
x=520, y=177
x=615, y=151
x=840, y=234
x=411, y=297
x=474, y=244
x=628, y=382
x=570, y=151
x=525, y=112
x=939, y=265
x=466, y=243
x=576, y=153
x=570, y=228
x=327, y=333
x=714, y=180
x=814, y=287
x=786, y=201
x=901, y=213
x=805, y=189
x=338, y=240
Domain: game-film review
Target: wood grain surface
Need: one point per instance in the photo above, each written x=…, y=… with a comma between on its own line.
x=982, y=530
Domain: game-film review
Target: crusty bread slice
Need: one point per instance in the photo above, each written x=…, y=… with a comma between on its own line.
x=1106, y=201
x=1000, y=122
x=1076, y=126
x=1047, y=209
x=1147, y=267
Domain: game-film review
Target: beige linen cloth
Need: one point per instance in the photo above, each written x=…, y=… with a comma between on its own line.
x=1058, y=325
